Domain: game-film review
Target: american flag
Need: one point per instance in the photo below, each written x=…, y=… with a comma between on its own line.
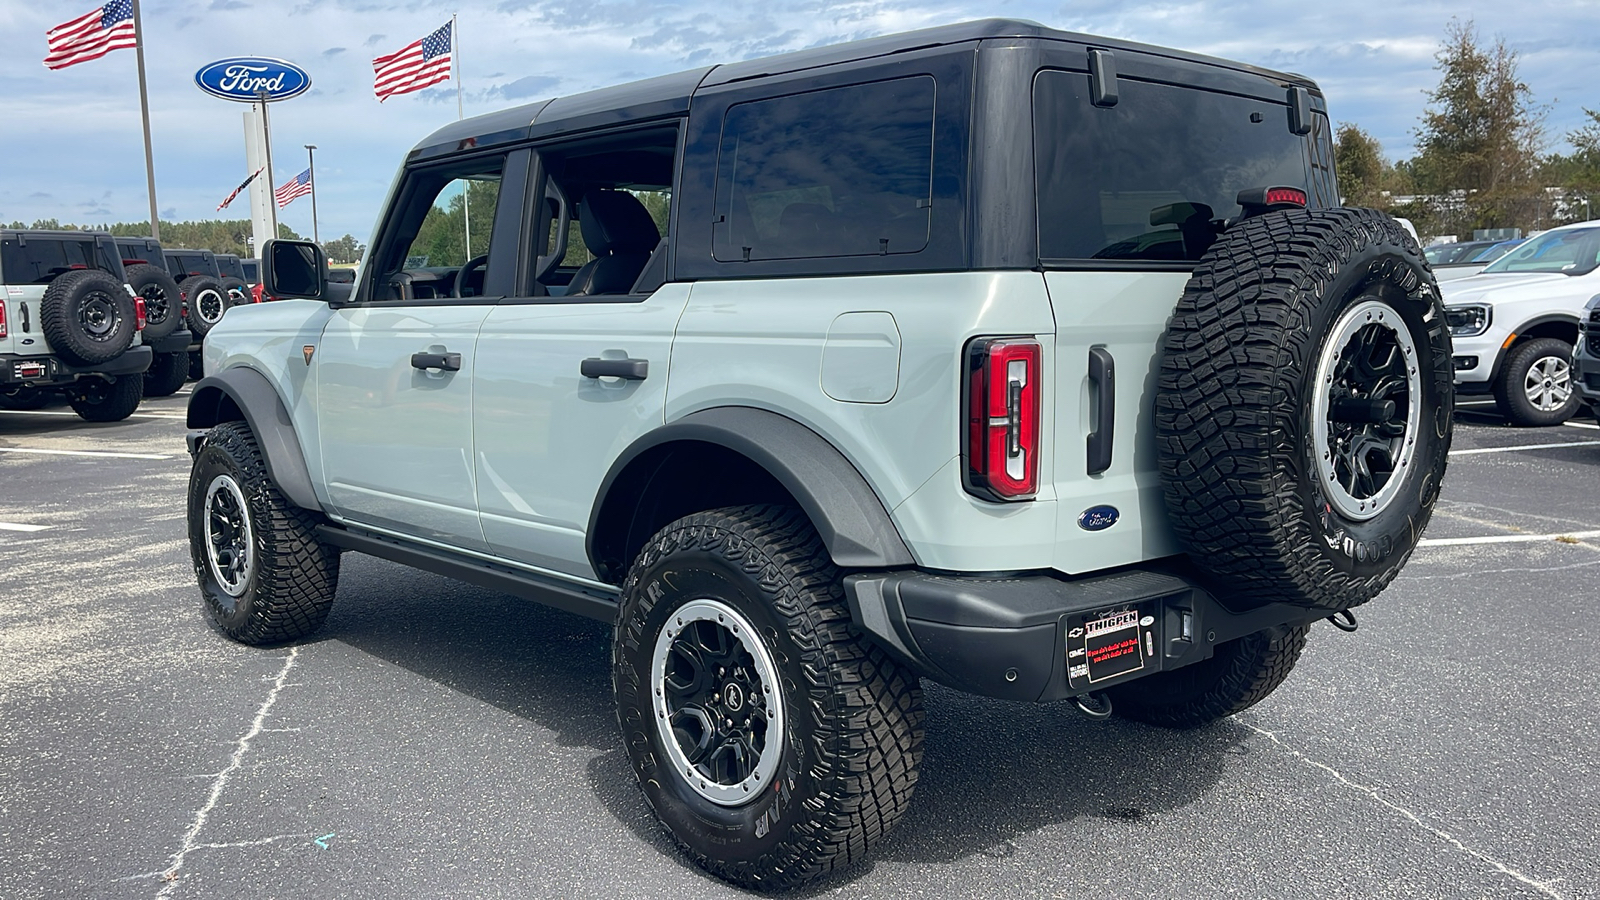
x=413, y=67
x=92, y=35
x=298, y=186
x=242, y=185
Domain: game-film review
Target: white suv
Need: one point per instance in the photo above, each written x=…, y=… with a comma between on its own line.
x=1515, y=324
x=1035, y=364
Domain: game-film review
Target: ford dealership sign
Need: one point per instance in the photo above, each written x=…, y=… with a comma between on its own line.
x=246, y=78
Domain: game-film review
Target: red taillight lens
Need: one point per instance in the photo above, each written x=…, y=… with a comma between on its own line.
x=1286, y=195
x=2, y=317
x=1002, y=418
x=138, y=314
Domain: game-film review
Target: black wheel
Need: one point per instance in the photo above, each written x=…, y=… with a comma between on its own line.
x=265, y=575
x=197, y=367
x=167, y=373
x=1304, y=404
x=771, y=739
x=28, y=399
x=102, y=400
x=238, y=292
x=1535, y=384
x=87, y=316
x=207, y=301
x=1239, y=674
x=163, y=301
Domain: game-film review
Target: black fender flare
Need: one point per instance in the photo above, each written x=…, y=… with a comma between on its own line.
x=1521, y=330
x=850, y=519
x=261, y=407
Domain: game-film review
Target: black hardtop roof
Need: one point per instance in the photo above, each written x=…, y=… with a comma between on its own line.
x=668, y=94
x=51, y=233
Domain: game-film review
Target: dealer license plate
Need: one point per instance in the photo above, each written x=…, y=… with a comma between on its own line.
x=1109, y=646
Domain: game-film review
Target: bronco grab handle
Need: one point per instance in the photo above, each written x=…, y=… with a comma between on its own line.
x=1103, y=379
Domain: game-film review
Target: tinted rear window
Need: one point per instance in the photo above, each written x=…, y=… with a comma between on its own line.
x=141, y=251
x=182, y=265
x=38, y=260
x=230, y=267
x=1144, y=179
x=839, y=172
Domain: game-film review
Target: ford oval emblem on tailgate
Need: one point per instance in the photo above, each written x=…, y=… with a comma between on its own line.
x=1098, y=518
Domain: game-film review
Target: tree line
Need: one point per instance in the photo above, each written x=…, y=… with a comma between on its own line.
x=216, y=235
x=1480, y=155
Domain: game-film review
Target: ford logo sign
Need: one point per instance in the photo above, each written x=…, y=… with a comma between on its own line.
x=247, y=78
x=1098, y=518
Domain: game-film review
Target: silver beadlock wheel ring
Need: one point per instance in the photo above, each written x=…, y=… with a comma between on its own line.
x=230, y=547
x=1548, y=384
x=717, y=703
x=209, y=306
x=1365, y=409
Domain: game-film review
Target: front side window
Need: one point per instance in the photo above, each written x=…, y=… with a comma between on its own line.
x=34, y=260
x=839, y=172
x=1149, y=178
x=1575, y=250
x=438, y=241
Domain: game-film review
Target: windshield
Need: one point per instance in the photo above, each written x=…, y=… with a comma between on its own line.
x=1576, y=250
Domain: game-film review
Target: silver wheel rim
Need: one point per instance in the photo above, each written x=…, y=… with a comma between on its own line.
x=1368, y=359
x=1548, y=384
x=230, y=541
x=209, y=306
x=703, y=751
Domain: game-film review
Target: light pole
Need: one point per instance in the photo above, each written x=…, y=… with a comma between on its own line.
x=311, y=158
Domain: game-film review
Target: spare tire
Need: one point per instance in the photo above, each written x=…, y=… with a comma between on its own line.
x=163, y=302
x=238, y=292
x=207, y=300
x=1303, y=410
x=87, y=316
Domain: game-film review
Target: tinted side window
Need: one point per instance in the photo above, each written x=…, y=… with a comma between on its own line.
x=839, y=172
x=1145, y=179
x=38, y=260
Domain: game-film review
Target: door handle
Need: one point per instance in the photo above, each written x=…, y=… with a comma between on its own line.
x=1103, y=390
x=630, y=369
x=448, y=362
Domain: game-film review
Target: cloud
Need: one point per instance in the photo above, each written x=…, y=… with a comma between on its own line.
x=41, y=195
x=228, y=4
x=529, y=86
x=374, y=40
x=331, y=52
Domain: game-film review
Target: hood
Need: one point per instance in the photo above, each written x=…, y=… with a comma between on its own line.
x=1508, y=286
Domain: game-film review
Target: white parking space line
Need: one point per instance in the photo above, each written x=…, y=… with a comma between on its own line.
x=1569, y=536
x=18, y=526
x=104, y=453
x=1587, y=425
x=1478, y=450
x=57, y=412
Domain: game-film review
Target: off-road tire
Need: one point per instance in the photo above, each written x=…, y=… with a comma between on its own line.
x=853, y=718
x=1510, y=389
x=163, y=301
x=100, y=400
x=26, y=399
x=207, y=301
x=289, y=590
x=1234, y=408
x=167, y=373
x=1240, y=674
x=238, y=291
x=88, y=317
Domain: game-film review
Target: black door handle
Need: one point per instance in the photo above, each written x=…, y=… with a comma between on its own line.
x=631, y=369
x=1103, y=379
x=449, y=362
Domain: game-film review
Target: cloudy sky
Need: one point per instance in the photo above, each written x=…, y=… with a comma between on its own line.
x=70, y=145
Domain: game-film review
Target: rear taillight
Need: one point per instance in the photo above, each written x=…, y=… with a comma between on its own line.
x=138, y=314
x=1001, y=452
x=2, y=317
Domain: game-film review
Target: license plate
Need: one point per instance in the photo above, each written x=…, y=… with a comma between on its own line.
x=31, y=369
x=1109, y=646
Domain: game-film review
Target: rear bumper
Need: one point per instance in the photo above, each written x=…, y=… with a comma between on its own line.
x=1586, y=366
x=1024, y=638
x=49, y=371
x=181, y=341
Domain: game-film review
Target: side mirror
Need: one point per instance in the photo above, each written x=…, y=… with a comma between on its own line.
x=294, y=269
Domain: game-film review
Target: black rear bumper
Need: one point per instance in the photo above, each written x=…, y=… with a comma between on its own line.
x=1024, y=637
x=17, y=370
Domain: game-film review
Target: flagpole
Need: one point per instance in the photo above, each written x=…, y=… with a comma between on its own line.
x=466, y=189
x=311, y=158
x=144, y=109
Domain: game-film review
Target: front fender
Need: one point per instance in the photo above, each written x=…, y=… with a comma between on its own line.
x=245, y=394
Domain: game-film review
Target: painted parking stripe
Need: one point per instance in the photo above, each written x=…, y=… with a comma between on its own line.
x=1587, y=425
x=1507, y=539
x=18, y=526
x=1478, y=450
x=103, y=453
x=56, y=412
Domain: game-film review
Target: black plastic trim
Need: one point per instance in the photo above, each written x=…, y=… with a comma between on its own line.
x=591, y=603
x=1103, y=387
x=133, y=361
x=848, y=516
x=264, y=411
x=177, y=342
x=1102, y=78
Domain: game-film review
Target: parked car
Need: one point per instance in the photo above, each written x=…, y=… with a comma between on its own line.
x=204, y=287
x=894, y=282
x=166, y=333
x=1474, y=262
x=69, y=324
x=235, y=280
x=1516, y=323
x=1450, y=254
x=1586, y=356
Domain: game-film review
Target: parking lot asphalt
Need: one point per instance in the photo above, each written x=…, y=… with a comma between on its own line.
x=441, y=740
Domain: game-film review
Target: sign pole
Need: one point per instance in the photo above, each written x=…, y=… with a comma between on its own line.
x=144, y=110
x=272, y=183
x=311, y=159
x=466, y=189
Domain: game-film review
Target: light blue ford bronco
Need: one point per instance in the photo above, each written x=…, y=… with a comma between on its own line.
x=1042, y=366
